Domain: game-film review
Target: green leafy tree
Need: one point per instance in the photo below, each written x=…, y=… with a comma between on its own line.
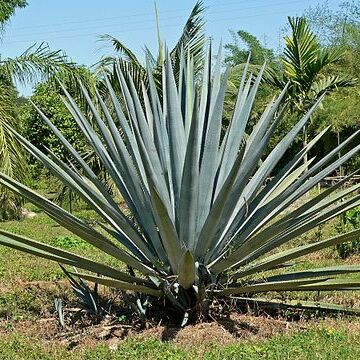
x=340, y=28
x=304, y=64
x=238, y=54
x=48, y=97
x=306, y=69
x=11, y=155
x=8, y=8
x=236, y=57
x=34, y=64
x=335, y=26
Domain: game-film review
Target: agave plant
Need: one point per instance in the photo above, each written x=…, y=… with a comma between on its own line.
x=206, y=220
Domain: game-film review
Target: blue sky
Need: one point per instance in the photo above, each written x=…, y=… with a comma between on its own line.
x=74, y=26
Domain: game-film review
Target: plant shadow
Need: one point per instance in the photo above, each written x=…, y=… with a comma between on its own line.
x=170, y=333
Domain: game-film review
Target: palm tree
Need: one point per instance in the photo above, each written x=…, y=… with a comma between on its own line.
x=304, y=69
x=191, y=41
x=12, y=160
x=304, y=64
x=244, y=45
x=36, y=63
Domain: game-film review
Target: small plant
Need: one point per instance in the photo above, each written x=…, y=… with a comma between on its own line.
x=122, y=318
x=352, y=217
x=69, y=242
x=346, y=249
x=60, y=311
x=205, y=221
x=350, y=220
x=88, y=298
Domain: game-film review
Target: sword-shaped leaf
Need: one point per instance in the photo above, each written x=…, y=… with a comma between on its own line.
x=186, y=270
x=120, y=284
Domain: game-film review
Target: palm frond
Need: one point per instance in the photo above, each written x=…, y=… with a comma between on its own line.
x=35, y=63
x=120, y=48
x=12, y=155
x=330, y=83
x=304, y=63
x=192, y=39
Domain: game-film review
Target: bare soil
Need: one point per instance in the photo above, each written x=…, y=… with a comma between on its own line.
x=82, y=329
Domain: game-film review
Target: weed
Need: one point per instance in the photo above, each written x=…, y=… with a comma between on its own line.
x=69, y=242
x=349, y=221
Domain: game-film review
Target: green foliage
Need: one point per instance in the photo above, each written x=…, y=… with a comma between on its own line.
x=339, y=28
x=69, y=242
x=12, y=160
x=47, y=96
x=350, y=220
x=348, y=248
x=335, y=25
x=205, y=222
x=37, y=62
x=303, y=66
x=237, y=55
x=340, y=110
x=22, y=304
x=8, y=8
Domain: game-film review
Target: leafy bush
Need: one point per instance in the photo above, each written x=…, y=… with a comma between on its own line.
x=350, y=220
x=205, y=221
x=48, y=97
x=69, y=242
